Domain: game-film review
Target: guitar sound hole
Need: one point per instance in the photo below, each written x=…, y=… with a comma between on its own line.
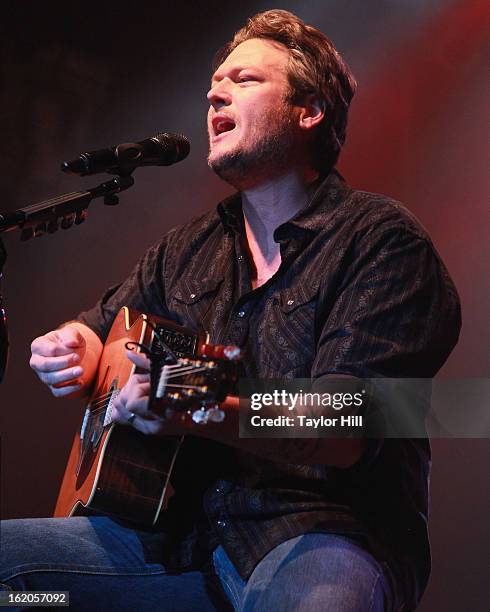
x=93, y=429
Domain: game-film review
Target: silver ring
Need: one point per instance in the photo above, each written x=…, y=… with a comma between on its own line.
x=131, y=418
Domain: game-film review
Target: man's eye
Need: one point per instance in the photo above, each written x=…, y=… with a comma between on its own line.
x=246, y=79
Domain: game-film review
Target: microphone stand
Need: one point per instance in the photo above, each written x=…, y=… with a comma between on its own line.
x=46, y=217
x=62, y=211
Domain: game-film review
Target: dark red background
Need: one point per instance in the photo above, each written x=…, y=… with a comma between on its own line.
x=79, y=76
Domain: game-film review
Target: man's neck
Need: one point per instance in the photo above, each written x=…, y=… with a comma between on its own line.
x=268, y=206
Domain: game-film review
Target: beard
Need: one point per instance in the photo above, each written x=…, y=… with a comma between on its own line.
x=267, y=152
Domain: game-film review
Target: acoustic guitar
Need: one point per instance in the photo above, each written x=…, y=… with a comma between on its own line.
x=114, y=469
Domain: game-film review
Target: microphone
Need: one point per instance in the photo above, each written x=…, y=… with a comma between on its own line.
x=160, y=150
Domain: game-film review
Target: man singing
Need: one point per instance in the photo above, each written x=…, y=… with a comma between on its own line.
x=312, y=279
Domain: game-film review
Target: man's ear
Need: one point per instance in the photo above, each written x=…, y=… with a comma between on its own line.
x=312, y=111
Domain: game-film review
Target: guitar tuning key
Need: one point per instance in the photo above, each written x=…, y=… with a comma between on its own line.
x=40, y=230
x=80, y=216
x=68, y=220
x=200, y=417
x=232, y=352
x=110, y=199
x=215, y=414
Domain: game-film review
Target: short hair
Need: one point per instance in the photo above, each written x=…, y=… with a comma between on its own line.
x=315, y=67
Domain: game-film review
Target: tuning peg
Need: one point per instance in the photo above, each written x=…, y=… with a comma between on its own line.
x=111, y=199
x=200, y=416
x=40, y=230
x=232, y=352
x=218, y=351
x=81, y=216
x=215, y=414
x=67, y=221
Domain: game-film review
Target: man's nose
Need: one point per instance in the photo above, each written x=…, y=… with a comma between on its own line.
x=219, y=95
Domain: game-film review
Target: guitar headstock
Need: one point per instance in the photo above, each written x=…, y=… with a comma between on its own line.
x=195, y=385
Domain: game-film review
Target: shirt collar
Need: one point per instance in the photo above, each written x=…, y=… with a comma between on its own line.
x=328, y=194
x=231, y=215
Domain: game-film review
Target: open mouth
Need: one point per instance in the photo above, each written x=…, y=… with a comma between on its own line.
x=222, y=125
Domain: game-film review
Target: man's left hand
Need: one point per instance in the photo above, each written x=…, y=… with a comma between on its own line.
x=131, y=405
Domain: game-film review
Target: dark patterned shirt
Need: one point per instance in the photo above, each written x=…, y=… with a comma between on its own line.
x=360, y=291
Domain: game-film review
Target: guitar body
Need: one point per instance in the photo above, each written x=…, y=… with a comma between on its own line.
x=127, y=477
x=114, y=469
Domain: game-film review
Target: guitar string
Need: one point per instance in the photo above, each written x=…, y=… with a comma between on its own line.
x=180, y=369
x=101, y=399
x=100, y=408
x=104, y=396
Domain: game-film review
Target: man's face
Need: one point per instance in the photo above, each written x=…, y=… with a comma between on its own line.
x=250, y=124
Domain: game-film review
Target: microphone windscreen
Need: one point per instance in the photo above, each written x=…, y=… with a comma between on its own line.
x=174, y=147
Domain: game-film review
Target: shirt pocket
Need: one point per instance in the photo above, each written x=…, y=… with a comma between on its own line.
x=289, y=331
x=191, y=300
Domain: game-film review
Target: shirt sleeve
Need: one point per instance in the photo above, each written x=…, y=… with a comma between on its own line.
x=396, y=313
x=143, y=290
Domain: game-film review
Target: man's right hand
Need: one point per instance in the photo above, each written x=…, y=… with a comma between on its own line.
x=65, y=360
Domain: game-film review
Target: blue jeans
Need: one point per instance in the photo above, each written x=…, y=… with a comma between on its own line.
x=102, y=564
